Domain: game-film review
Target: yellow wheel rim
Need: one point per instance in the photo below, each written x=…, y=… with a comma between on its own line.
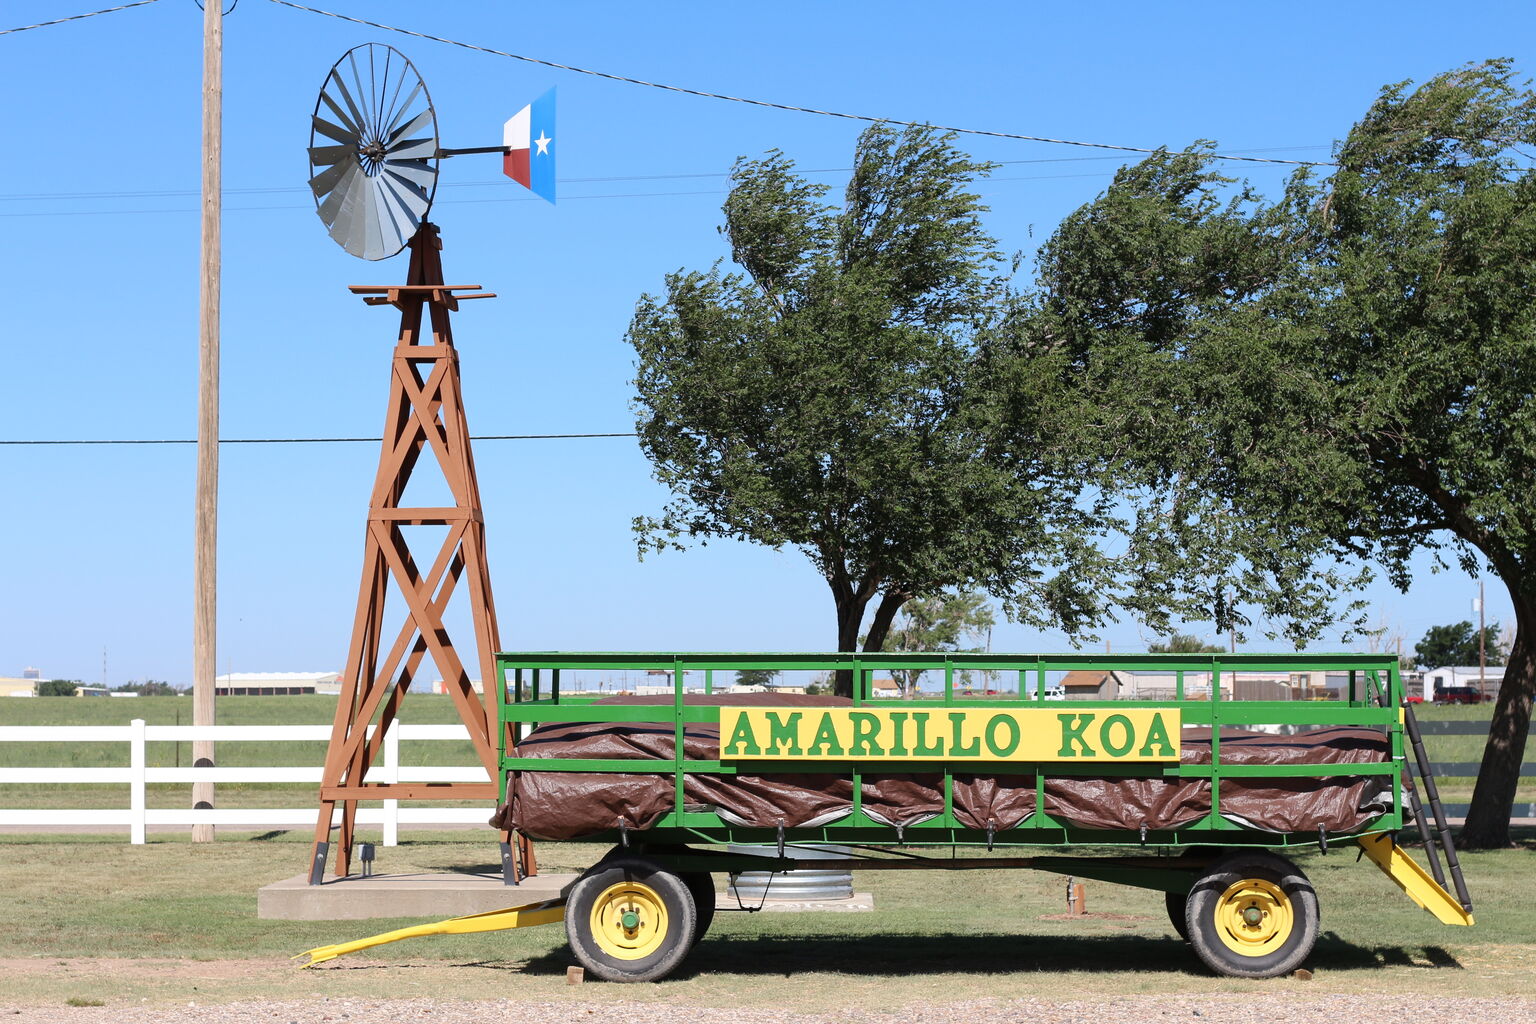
x=1254, y=917
x=629, y=921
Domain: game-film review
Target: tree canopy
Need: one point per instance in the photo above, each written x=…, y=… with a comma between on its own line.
x=839, y=393
x=953, y=622
x=756, y=676
x=1297, y=391
x=1183, y=643
x=1457, y=644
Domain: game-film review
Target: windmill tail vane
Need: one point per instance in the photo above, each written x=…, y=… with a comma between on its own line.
x=529, y=141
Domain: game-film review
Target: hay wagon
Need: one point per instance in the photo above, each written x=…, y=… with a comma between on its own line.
x=1199, y=794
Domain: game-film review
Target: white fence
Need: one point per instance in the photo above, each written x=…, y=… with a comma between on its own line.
x=137, y=774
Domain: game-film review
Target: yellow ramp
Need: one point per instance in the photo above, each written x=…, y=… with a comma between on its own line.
x=1413, y=880
x=547, y=912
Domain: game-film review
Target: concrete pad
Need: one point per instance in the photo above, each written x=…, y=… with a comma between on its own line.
x=356, y=898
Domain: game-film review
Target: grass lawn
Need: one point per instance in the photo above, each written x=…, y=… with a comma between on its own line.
x=90, y=918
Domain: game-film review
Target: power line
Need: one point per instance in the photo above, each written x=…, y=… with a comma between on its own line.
x=767, y=103
x=500, y=199
x=294, y=189
x=305, y=440
x=73, y=17
x=496, y=199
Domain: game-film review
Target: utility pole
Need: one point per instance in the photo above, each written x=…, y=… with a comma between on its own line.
x=205, y=553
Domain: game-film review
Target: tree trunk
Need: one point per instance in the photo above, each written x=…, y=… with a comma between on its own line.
x=1493, y=799
x=885, y=614
x=851, y=604
x=850, y=616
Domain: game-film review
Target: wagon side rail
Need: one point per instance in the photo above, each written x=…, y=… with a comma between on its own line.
x=534, y=689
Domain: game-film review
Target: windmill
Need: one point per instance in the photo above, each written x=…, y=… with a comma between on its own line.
x=373, y=155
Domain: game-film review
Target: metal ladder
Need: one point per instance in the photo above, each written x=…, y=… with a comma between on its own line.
x=1437, y=841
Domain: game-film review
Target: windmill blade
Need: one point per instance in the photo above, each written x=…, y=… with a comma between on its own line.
x=399, y=110
x=347, y=118
x=342, y=196
x=416, y=172
x=414, y=149
x=329, y=130
x=323, y=183
x=392, y=209
x=373, y=151
x=335, y=85
x=410, y=128
x=412, y=199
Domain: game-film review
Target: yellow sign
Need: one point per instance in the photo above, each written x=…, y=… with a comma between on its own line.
x=948, y=734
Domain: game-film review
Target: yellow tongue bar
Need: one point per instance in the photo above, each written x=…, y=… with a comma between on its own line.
x=547, y=912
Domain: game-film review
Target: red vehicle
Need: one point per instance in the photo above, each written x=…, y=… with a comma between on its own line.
x=1458, y=695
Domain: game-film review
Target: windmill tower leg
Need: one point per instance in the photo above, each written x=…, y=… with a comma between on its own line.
x=425, y=425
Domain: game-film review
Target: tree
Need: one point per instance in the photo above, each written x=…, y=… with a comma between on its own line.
x=840, y=395
x=1457, y=645
x=57, y=687
x=1184, y=643
x=1339, y=377
x=148, y=688
x=755, y=676
x=942, y=622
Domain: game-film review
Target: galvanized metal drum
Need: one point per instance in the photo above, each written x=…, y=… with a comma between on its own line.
x=807, y=883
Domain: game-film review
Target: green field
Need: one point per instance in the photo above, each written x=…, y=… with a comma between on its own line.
x=318, y=710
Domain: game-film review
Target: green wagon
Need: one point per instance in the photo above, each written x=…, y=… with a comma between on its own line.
x=1178, y=794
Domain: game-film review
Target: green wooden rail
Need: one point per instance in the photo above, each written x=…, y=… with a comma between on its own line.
x=529, y=689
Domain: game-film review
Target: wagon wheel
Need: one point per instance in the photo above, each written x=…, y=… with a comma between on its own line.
x=702, y=886
x=1252, y=915
x=628, y=919
x=1177, y=904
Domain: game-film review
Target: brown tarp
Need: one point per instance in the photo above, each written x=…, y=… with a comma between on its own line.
x=569, y=805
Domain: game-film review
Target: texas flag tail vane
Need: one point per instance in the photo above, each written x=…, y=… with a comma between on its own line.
x=529, y=138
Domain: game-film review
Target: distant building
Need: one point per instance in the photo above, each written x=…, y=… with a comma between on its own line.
x=1088, y=684
x=1438, y=679
x=276, y=684
x=31, y=673
x=24, y=687
x=884, y=688
x=441, y=686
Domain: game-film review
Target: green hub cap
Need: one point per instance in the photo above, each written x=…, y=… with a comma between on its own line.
x=1253, y=915
x=630, y=920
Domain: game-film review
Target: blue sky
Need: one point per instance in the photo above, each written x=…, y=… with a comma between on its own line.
x=100, y=230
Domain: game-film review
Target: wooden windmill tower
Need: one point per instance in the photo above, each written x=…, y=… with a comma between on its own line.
x=374, y=151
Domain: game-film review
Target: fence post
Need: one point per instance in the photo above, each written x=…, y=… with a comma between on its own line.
x=136, y=768
x=392, y=774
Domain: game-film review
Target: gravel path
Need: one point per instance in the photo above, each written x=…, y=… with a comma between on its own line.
x=1247, y=1009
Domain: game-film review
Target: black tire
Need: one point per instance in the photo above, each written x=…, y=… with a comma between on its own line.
x=1252, y=915
x=702, y=885
x=1175, y=902
x=664, y=920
